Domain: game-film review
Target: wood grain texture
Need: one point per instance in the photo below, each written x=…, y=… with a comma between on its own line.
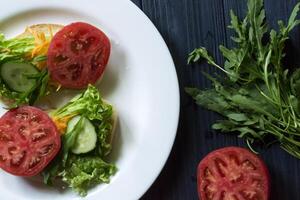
x=185, y=25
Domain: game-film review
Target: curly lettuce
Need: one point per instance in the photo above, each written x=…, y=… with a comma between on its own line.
x=83, y=172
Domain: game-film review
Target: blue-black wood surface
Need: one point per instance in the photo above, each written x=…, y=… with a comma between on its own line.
x=185, y=25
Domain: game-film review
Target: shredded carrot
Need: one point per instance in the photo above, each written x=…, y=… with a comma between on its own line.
x=41, y=43
x=61, y=123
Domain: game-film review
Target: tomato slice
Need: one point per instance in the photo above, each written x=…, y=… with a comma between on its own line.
x=29, y=140
x=232, y=173
x=78, y=55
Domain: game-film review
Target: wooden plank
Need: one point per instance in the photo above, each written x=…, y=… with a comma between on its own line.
x=137, y=2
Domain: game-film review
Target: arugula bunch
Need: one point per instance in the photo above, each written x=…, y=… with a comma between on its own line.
x=259, y=97
x=81, y=172
x=18, y=49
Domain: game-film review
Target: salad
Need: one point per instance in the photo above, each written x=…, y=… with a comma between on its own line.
x=70, y=56
x=87, y=125
x=70, y=144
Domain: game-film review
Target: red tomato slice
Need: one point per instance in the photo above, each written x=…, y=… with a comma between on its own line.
x=29, y=140
x=232, y=173
x=78, y=55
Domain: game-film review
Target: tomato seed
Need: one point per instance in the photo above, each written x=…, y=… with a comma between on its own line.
x=209, y=176
x=46, y=149
x=2, y=158
x=249, y=195
x=23, y=132
x=236, y=177
x=60, y=58
x=7, y=125
x=221, y=167
x=38, y=135
x=35, y=119
x=256, y=183
x=95, y=61
x=77, y=46
x=34, y=161
x=17, y=159
x=209, y=193
x=248, y=165
x=71, y=34
x=23, y=116
x=234, y=159
x=12, y=150
x=4, y=137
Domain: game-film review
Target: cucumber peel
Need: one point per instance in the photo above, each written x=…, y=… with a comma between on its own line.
x=86, y=139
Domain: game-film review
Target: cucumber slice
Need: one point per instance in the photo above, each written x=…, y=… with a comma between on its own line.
x=15, y=75
x=86, y=139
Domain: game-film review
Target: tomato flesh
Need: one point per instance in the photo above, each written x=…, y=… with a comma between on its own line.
x=232, y=173
x=29, y=140
x=78, y=55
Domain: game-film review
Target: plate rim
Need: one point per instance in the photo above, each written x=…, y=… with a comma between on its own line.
x=177, y=94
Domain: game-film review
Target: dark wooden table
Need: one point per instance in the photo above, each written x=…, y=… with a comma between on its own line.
x=185, y=25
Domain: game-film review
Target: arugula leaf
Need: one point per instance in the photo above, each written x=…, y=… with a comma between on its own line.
x=258, y=97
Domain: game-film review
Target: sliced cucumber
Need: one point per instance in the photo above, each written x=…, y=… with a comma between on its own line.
x=87, y=138
x=16, y=75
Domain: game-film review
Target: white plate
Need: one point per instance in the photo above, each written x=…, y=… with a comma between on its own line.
x=140, y=81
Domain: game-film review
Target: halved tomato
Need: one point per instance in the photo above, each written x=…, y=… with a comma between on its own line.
x=29, y=140
x=232, y=173
x=78, y=55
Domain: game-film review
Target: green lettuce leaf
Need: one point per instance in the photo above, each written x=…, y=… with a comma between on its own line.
x=88, y=104
x=83, y=172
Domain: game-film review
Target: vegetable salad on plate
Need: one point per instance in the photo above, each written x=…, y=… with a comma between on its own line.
x=69, y=144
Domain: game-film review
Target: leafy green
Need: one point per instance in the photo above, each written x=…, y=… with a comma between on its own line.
x=39, y=58
x=82, y=171
x=18, y=49
x=258, y=97
x=37, y=91
x=89, y=104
